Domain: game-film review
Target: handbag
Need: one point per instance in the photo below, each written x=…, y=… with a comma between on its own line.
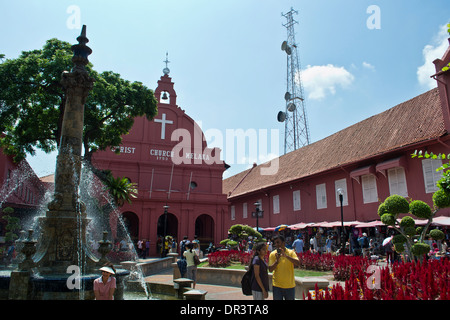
x=196, y=260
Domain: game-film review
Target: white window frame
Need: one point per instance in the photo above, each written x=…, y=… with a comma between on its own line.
x=342, y=184
x=430, y=175
x=397, y=181
x=369, y=188
x=233, y=212
x=321, y=196
x=276, y=204
x=297, y=203
x=244, y=210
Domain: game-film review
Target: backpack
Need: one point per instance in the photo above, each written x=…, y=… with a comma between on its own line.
x=246, y=282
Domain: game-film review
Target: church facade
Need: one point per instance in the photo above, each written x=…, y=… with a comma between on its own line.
x=179, y=178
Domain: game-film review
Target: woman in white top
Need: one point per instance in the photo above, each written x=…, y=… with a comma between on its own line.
x=191, y=267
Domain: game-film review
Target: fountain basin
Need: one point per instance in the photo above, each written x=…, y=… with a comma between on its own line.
x=54, y=286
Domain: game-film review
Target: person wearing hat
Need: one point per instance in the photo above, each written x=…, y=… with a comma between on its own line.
x=105, y=286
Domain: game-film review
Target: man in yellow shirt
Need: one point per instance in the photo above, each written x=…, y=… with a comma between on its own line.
x=281, y=263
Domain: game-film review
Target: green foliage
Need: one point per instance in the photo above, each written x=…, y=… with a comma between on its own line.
x=407, y=221
x=388, y=219
x=12, y=226
x=444, y=182
x=399, y=247
x=410, y=231
x=243, y=231
x=419, y=249
x=8, y=210
x=441, y=199
x=121, y=189
x=381, y=209
x=398, y=239
x=437, y=234
x=396, y=204
x=232, y=243
x=420, y=209
x=32, y=103
x=224, y=242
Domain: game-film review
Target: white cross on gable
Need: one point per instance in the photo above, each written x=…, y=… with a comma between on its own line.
x=163, y=122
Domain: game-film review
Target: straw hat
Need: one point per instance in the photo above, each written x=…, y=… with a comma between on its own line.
x=107, y=269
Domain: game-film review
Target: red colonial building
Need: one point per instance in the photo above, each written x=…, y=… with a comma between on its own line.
x=169, y=160
x=369, y=161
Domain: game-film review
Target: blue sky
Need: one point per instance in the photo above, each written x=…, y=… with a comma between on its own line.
x=226, y=59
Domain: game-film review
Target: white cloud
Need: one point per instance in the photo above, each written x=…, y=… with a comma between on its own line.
x=431, y=52
x=319, y=81
x=368, y=66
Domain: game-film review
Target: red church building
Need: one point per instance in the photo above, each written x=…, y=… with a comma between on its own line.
x=369, y=161
x=169, y=160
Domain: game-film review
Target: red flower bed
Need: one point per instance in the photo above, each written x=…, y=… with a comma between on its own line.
x=221, y=259
x=429, y=280
x=311, y=261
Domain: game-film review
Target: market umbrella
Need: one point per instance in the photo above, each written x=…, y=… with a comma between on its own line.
x=387, y=240
x=281, y=227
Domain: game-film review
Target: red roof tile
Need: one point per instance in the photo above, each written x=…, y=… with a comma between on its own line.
x=408, y=123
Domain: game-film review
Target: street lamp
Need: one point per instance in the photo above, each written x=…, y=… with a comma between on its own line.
x=340, y=193
x=257, y=214
x=163, y=251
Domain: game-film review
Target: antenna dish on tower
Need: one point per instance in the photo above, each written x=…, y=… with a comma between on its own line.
x=285, y=47
x=291, y=107
x=287, y=96
x=281, y=116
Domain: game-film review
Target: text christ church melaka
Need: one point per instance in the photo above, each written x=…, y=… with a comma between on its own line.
x=171, y=164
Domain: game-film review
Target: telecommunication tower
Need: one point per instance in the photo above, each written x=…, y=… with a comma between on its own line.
x=296, y=131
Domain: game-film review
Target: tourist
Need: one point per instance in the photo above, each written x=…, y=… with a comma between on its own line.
x=329, y=243
x=183, y=244
x=260, y=281
x=196, y=245
x=191, y=267
x=364, y=244
x=313, y=244
x=105, y=286
x=140, y=246
x=147, y=248
x=281, y=264
x=298, y=244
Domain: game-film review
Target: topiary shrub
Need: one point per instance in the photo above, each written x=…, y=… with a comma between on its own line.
x=398, y=239
x=388, y=219
x=381, y=209
x=399, y=247
x=437, y=234
x=419, y=249
x=407, y=222
x=410, y=231
x=420, y=209
x=441, y=199
x=396, y=204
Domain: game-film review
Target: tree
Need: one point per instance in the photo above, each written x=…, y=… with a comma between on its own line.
x=409, y=235
x=12, y=226
x=121, y=189
x=32, y=103
x=241, y=232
